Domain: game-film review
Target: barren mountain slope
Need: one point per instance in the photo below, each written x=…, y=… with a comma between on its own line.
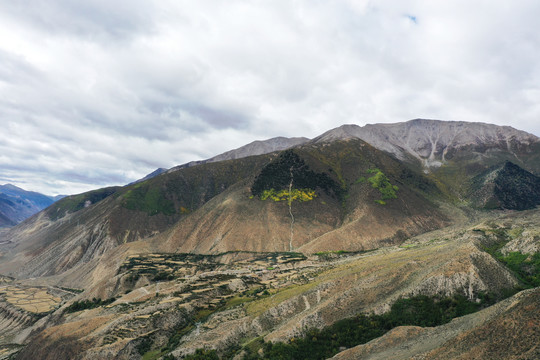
x=229, y=254
x=211, y=208
x=346, y=217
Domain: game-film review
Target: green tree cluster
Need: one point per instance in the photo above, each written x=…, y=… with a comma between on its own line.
x=149, y=199
x=88, y=304
x=381, y=182
x=525, y=266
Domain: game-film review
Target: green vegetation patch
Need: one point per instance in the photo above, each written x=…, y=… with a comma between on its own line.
x=381, y=182
x=88, y=304
x=151, y=354
x=74, y=203
x=289, y=196
x=202, y=354
x=336, y=254
x=150, y=199
x=526, y=267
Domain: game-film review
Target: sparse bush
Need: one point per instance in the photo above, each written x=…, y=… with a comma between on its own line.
x=525, y=266
x=149, y=199
x=144, y=346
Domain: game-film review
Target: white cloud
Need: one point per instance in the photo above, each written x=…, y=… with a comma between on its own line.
x=102, y=92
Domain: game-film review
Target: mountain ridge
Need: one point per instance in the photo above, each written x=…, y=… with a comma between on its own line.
x=431, y=141
x=257, y=147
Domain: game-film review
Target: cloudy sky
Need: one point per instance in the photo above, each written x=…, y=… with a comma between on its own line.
x=100, y=92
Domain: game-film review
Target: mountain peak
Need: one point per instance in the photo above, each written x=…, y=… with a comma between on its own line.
x=10, y=187
x=257, y=147
x=433, y=142
x=17, y=204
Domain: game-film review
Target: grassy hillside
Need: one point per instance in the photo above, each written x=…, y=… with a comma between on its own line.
x=74, y=203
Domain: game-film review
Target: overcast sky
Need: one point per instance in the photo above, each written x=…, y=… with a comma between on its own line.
x=101, y=92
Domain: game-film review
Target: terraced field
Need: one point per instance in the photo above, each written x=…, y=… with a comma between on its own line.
x=32, y=299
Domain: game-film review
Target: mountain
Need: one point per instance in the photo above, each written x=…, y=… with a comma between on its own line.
x=449, y=152
x=235, y=255
x=211, y=208
x=257, y=147
x=4, y=220
x=489, y=334
x=154, y=173
x=506, y=186
x=57, y=197
x=434, y=142
x=17, y=204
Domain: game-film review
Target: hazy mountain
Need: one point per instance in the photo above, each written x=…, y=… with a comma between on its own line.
x=17, y=204
x=4, y=220
x=278, y=237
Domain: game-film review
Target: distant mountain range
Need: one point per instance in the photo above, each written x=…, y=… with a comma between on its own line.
x=17, y=204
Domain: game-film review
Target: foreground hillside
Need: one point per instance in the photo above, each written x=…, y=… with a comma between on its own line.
x=507, y=330
x=267, y=254
x=235, y=302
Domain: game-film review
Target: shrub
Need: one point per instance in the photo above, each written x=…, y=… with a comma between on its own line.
x=202, y=354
